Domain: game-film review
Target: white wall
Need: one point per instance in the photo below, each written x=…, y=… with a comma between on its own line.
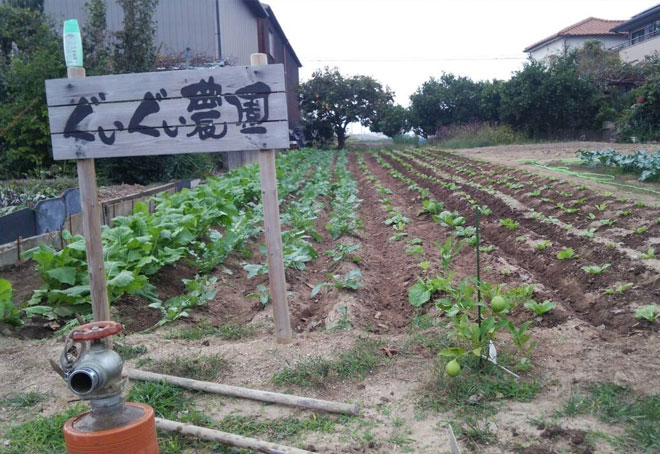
x=638, y=51
x=556, y=47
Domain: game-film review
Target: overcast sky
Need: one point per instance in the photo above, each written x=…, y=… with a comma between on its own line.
x=404, y=42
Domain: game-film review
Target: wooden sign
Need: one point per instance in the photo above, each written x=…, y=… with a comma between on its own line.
x=173, y=112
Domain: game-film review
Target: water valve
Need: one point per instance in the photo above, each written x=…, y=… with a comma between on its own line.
x=92, y=369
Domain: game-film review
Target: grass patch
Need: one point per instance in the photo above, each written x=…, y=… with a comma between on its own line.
x=128, y=351
x=229, y=331
x=358, y=362
x=474, y=397
x=41, y=435
x=22, y=400
x=616, y=404
x=205, y=368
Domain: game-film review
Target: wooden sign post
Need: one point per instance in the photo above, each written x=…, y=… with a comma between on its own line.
x=272, y=232
x=195, y=111
x=91, y=220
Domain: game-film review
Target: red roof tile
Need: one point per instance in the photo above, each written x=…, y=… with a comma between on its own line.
x=591, y=26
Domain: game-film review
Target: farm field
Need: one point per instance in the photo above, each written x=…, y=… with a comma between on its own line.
x=380, y=247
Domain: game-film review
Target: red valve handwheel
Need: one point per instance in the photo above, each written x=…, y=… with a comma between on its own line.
x=95, y=331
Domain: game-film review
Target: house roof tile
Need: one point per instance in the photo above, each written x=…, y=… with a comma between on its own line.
x=591, y=26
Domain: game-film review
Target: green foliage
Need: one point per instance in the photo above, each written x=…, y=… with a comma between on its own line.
x=30, y=53
x=330, y=102
x=40, y=435
x=202, y=367
x=617, y=405
x=147, y=169
x=23, y=400
x=509, y=224
x=619, y=289
x=650, y=313
x=543, y=98
x=543, y=245
x=540, y=308
x=8, y=312
x=392, y=120
x=358, y=362
x=198, y=292
x=135, y=50
x=474, y=135
x=646, y=165
x=566, y=254
x=642, y=119
x=351, y=280
x=595, y=269
x=452, y=99
x=96, y=39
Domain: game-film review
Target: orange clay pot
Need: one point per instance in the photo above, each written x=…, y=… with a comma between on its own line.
x=137, y=437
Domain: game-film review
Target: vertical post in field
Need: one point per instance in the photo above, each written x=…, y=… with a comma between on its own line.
x=273, y=235
x=91, y=218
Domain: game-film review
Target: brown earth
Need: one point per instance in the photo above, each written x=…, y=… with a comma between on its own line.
x=573, y=349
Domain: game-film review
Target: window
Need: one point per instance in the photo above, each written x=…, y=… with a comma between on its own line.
x=271, y=43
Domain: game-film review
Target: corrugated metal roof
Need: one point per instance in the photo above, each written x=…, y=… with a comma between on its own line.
x=591, y=26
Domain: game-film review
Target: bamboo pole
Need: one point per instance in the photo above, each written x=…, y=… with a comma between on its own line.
x=273, y=234
x=91, y=217
x=226, y=438
x=245, y=393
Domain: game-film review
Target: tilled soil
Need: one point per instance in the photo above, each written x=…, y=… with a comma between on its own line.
x=589, y=337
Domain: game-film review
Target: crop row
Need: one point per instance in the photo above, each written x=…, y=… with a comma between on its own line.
x=186, y=224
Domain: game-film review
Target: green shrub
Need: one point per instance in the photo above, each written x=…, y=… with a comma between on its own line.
x=475, y=135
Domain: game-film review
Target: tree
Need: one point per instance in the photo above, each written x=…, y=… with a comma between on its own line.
x=30, y=53
x=393, y=121
x=444, y=101
x=96, y=39
x=134, y=49
x=330, y=101
x=543, y=99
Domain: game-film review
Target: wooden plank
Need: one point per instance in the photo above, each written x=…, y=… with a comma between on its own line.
x=138, y=144
x=132, y=87
x=106, y=114
x=273, y=235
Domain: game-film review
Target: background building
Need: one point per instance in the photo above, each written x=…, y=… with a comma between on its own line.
x=576, y=35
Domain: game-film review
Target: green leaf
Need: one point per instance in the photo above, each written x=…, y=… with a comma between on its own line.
x=63, y=274
x=419, y=294
x=453, y=352
x=123, y=279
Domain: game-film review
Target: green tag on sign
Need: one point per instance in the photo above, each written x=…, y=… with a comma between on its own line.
x=73, y=52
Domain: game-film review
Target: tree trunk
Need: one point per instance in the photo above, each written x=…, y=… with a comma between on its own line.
x=341, y=138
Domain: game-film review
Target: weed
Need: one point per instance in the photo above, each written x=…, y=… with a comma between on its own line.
x=205, y=368
x=350, y=280
x=616, y=404
x=276, y=429
x=22, y=400
x=229, y=331
x=41, y=435
x=262, y=294
x=128, y=351
x=358, y=362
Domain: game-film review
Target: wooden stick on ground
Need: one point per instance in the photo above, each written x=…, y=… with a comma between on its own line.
x=245, y=393
x=226, y=438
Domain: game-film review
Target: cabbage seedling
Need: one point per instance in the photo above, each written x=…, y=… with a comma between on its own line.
x=649, y=313
x=540, y=308
x=595, y=269
x=566, y=254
